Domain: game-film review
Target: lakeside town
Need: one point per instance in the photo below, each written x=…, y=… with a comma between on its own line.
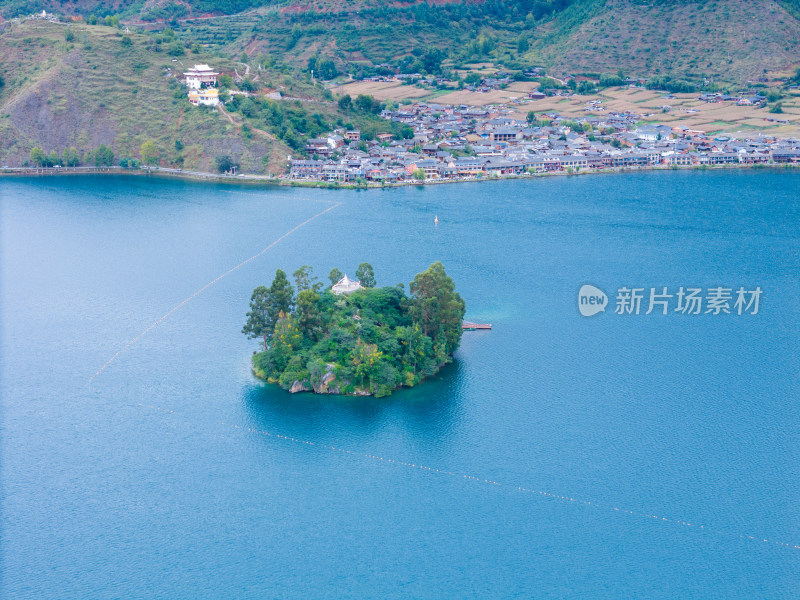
x=473, y=142
x=467, y=142
x=460, y=142
x=446, y=142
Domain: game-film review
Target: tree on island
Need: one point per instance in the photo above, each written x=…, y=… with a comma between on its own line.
x=266, y=308
x=437, y=307
x=281, y=296
x=335, y=275
x=308, y=314
x=256, y=325
x=305, y=279
x=366, y=275
x=369, y=341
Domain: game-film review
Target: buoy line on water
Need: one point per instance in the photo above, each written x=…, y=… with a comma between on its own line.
x=205, y=287
x=492, y=482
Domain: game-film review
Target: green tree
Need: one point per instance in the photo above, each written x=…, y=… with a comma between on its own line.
x=38, y=156
x=225, y=81
x=247, y=85
x=365, y=359
x=103, y=156
x=472, y=78
x=281, y=297
x=308, y=315
x=305, y=280
x=419, y=174
x=69, y=35
x=149, y=152
x=776, y=108
x=335, y=275
x=176, y=48
x=345, y=102
x=437, y=307
x=368, y=104
x=225, y=163
x=257, y=324
x=286, y=339
x=71, y=157
x=412, y=340
x=366, y=275
x=323, y=68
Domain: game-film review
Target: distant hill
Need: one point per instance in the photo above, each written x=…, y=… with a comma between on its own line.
x=726, y=40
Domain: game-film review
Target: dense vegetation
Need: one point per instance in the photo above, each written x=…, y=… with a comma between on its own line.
x=371, y=341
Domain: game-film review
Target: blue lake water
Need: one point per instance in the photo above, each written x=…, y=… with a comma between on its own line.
x=669, y=444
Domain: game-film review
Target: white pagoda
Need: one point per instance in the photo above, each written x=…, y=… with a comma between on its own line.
x=346, y=286
x=200, y=76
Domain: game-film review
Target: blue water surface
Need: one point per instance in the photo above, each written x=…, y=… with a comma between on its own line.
x=617, y=456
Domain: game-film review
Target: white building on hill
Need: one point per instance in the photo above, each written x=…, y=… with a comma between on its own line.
x=200, y=76
x=346, y=286
x=206, y=97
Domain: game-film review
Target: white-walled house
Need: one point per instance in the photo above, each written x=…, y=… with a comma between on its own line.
x=205, y=96
x=200, y=76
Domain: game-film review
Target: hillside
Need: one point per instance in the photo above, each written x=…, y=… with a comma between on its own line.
x=94, y=90
x=730, y=41
x=85, y=86
x=727, y=40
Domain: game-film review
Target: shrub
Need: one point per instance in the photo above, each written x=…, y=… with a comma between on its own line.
x=225, y=163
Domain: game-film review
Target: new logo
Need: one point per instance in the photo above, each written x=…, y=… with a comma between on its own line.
x=591, y=300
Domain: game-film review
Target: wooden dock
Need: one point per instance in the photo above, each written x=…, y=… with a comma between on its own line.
x=469, y=326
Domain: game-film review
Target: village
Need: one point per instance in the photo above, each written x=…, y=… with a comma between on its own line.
x=468, y=142
x=474, y=142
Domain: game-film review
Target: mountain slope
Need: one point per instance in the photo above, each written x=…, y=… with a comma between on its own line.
x=97, y=90
x=729, y=40
x=726, y=40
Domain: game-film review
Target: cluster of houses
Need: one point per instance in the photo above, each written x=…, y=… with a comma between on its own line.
x=461, y=142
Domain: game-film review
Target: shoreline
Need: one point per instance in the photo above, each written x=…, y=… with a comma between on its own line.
x=267, y=180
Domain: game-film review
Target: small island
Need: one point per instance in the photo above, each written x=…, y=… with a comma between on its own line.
x=354, y=338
